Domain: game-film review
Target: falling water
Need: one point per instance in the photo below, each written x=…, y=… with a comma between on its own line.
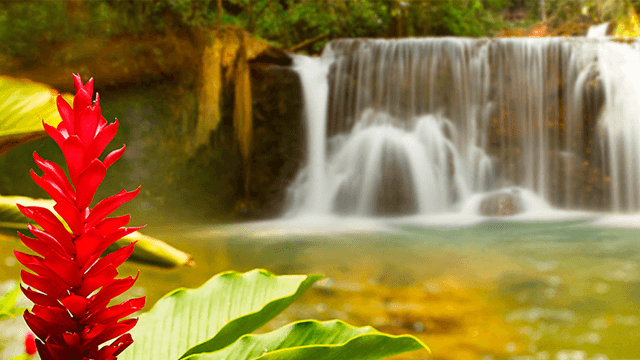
x=314, y=72
x=426, y=125
x=598, y=31
x=621, y=121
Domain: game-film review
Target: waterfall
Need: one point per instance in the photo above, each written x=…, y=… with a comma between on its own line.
x=422, y=126
x=598, y=31
x=619, y=67
x=313, y=75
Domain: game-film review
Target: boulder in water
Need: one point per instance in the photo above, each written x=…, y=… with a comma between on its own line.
x=502, y=204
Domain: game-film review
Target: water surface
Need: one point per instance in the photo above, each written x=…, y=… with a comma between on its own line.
x=495, y=290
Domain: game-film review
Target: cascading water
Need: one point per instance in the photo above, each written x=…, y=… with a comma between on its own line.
x=598, y=31
x=314, y=72
x=619, y=67
x=429, y=125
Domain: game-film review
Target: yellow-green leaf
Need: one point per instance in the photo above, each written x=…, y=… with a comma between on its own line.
x=310, y=339
x=8, y=307
x=23, y=106
x=214, y=315
x=148, y=250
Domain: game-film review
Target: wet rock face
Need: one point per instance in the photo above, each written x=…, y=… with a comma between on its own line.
x=396, y=195
x=502, y=204
x=395, y=192
x=279, y=138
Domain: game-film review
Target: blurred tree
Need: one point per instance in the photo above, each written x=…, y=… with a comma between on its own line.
x=23, y=24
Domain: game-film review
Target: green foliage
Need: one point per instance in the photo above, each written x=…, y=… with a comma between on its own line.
x=310, y=339
x=213, y=316
x=364, y=18
x=285, y=22
x=456, y=18
x=47, y=23
x=215, y=320
x=563, y=10
x=141, y=16
x=24, y=25
x=23, y=107
x=594, y=10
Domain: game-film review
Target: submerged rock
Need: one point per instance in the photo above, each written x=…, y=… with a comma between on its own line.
x=502, y=204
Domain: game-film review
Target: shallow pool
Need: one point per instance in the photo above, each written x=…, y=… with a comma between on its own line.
x=496, y=290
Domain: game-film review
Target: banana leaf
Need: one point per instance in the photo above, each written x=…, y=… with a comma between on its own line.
x=311, y=339
x=23, y=106
x=147, y=251
x=213, y=316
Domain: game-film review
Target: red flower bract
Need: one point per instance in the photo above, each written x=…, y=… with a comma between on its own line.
x=30, y=343
x=71, y=285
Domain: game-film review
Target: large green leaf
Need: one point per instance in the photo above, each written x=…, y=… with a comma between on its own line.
x=213, y=316
x=310, y=339
x=148, y=250
x=23, y=106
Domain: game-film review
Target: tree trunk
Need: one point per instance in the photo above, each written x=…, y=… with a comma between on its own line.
x=209, y=92
x=242, y=117
x=308, y=42
x=251, y=22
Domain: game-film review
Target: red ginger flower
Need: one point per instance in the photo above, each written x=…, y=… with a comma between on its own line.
x=72, y=285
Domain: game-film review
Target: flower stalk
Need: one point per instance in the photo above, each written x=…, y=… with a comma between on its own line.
x=70, y=284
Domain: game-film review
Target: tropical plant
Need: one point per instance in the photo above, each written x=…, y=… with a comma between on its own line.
x=148, y=250
x=216, y=320
x=24, y=107
x=71, y=284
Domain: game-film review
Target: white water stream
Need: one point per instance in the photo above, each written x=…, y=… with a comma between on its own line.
x=598, y=31
x=314, y=72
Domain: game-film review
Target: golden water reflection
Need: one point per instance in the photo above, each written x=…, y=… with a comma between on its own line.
x=493, y=291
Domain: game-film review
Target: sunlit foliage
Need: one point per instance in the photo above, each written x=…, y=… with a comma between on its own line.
x=284, y=22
